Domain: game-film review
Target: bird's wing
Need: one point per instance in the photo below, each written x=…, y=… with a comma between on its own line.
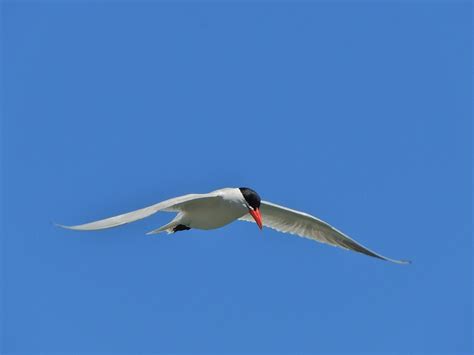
x=171, y=205
x=304, y=225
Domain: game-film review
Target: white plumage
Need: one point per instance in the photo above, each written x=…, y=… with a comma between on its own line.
x=304, y=225
x=221, y=207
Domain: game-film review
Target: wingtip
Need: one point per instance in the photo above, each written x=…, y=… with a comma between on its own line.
x=69, y=227
x=402, y=262
x=63, y=226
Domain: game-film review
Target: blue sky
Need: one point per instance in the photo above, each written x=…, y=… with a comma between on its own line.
x=356, y=112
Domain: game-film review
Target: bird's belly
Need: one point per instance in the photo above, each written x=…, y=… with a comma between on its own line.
x=215, y=217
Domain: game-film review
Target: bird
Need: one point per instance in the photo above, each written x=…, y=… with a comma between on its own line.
x=220, y=207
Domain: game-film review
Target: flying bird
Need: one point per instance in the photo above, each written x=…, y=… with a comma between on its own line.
x=221, y=207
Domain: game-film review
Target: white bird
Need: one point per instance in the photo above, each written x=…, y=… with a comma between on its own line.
x=218, y=208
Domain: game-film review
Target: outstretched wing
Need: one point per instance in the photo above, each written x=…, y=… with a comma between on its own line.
x=304, y=225
x=171, y=205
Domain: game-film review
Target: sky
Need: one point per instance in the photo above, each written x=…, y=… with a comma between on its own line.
x=359, y=113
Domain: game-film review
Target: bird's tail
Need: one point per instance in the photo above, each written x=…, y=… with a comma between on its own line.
x=168, y=228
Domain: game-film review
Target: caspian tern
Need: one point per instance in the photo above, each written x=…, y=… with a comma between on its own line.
x=218, y=208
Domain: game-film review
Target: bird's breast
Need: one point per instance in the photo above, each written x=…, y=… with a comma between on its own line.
x=213, y=214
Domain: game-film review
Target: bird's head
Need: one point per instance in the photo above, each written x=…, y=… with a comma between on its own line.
x=252, y=201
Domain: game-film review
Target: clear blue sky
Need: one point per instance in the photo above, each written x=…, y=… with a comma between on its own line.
x=359, y=113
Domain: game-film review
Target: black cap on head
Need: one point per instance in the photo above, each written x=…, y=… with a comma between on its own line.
x=252, y=198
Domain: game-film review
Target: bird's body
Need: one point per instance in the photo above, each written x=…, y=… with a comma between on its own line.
x=221, y=207
x=214, y=213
